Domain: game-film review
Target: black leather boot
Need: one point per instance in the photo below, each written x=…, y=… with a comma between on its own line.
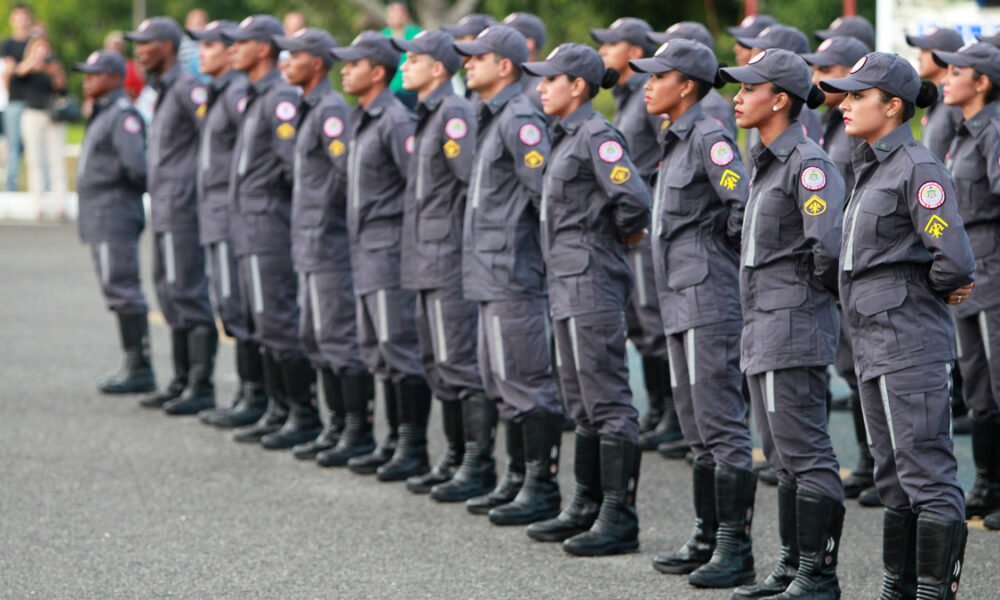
x=653, y=372
x=992, y=521
x=478, y=473
x=333, y=397
x=899, y=555
x=513, y=474
x=369, y=463
x=251, y=400
x=699, y=547
x=538, y=499
x=410, y=458
x=174, y=389
x=449, y=461
x=788, y=559
x=579, y=515
x=616, y=529
x=199, y=395
x=302, y=424
x=277, y=406
x=940, y=556
x=356, y=439
x=732, y=561
x=863, y=475
x=870, y=498
x=983, y=497
x=820, y=521
x=667, y=429
x=136, y=373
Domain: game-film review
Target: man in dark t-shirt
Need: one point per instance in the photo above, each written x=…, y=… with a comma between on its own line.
x=22, y=19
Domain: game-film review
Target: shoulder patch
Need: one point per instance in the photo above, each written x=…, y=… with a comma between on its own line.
x=285, y=131
x=721, y=153
x=814, y=206
x=333, y=127
x=610, y=151
x=199, y=95
x=620, y=175
x=410, y=144
x=813, y=179
x=534, y=159
x=452, y=149
x=931, y=195
x=530, y=134
x=285, y=110
x=132, y=124
x=337, y=148
x=241, y=104
x=456, y=128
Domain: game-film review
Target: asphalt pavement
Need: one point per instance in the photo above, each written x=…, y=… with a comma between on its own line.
x=102, y=499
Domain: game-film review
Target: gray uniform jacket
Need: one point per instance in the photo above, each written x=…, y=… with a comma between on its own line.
x=697, y=218
x=501, y=252
x=640, y=128
x=904, y=248
x=260, y=184
x=838, y=145
x=173, y=150
x=111, y=172
x=940, y=123
x=226, y=97
x=379, y=158
x=592, y=199
x=974, y=161
x=319, y=194
x=791, y=243
x=436, y=187
x=529, y=84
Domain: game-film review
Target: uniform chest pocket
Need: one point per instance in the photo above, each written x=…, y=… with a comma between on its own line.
x=969, y=170
x=778, y=221
x=680, y=197
x=877, y=224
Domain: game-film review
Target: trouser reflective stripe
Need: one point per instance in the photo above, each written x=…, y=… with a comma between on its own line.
x=383, y=316
x=864, y=417
x=984, y=332
x=769, y=390
x=105, y=262
x=209, y=270
x=258, y=292
x=640, y=281
x=575, y=342
x=691, y=361
x=442, y=345
x=884, y=392
x=498, y=348
x=224, y=279
x=168, y=257
x=314, y=303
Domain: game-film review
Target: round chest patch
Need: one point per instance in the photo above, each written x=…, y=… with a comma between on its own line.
x=530, y=134
x=333, y=127
x=859, y=65
x=132, y=124
x=610, y=151
x=241, y=105
x=285, y=110
x=409, y=144
x=756, y=58
x=813, y=179
x=721, y=153
x=456, y=128
x=199, y=95
x=931, y=195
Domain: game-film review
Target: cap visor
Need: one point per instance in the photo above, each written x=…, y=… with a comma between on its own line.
x=943, y=59
x=287, y=43
x=542, y=69
x=742, y=75
x=819, y=59
x=650, y=65
x=989, y=39
x=606, y=36
x=139, y=36
x=85, y=68
x=455, y=31
x=348, y=54
x=239, y=35
x=736, y=31
x=824, y=34
x=473, y=48
x=657, y=37
x=919, y=41
x=752, y=42
x=404, y=45
x=844, y=84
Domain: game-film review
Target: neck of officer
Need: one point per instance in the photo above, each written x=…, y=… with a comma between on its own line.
x=259, y=70
x=222, y=72
x=368, y=97
x=682, y=107
x=168, y=63
x=973, y=106
x=888, y=126
x=431, y=87
x=624, y=75
x=772, y=128
x=317, y=77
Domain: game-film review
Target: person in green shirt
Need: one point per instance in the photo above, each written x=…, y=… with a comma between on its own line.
x=400, y=25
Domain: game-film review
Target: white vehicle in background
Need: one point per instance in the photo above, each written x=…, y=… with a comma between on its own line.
x=896, y=18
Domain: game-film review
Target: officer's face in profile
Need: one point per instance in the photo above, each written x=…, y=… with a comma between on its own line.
x=743, y=54
x=960, y=85
x=617, y=55
x=96, y=85
x=359, y=76
x=418, y=72
x=302, y=67
x=753, y=104
x=833, y=99
x=927, y=68
x=245, y=54
x=484, y=71
x=153, y=55
x=867, y=115
x=214, y=58
x=560, y=95
x=663, y=92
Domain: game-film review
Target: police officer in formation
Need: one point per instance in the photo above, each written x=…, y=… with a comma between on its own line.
x=374, y=253
x=940, y=121
x=178, y=259
x=788, y=281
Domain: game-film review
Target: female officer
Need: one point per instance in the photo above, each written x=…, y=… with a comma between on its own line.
x=697, y=218
x=905, y=256
x=973, y=85
x=788, y=278
x=594, y=205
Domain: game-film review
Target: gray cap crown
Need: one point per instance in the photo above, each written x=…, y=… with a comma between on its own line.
x=685, y=30
x=371, y=45
x=687, y=56
x=472, y=24
x=784, y=69
x=751, y=25
x=942, y=38
x=890, y=73
x=434, y=43
x=854, y=26
x=574, y=60
x=785, y=37
x=837, y=51
x=530, y=26
x=502, y=40
x=213, y=32
x=981, y=56
x=261, y=28
x=317, y=42
x=626, y=29
x=102, y=61
x=156, y=29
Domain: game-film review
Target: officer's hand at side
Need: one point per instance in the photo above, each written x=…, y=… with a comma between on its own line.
x=961, y=294
x=634, y=239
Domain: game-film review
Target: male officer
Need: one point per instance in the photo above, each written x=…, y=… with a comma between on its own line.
x=260, y=203
x=749, y=27
x=178, y=260
x=437, y=183
x=503, y=270
x=854, y=26
x=319, y=242
x=220, y=121
x=940, y=122
x=382, y=142
x=111, y=178
x=533, y=29
x=466, y=29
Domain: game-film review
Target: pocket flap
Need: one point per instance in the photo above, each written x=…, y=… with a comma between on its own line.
x=679, y=177
x=379, y=234
x=879, y=203
x=434, y=230
x=790, y=297
x=567, y=261
x=881, y=301
x=491, y=240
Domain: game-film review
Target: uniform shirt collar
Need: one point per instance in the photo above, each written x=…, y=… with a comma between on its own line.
x=163, y=82
x=626, y=90
x=434, y=99
x=681, y=128
x=980, y=120
x=108, y=99
x=264, y=83
x=883, y=148
x=316, y=94
x=782, y=146
x=572, y=122
x=497, y=102
x=377, y=107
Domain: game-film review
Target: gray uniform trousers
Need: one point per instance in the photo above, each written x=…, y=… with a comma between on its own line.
x=514, y=356
x=908, y=419
x=180, y=279
x=387, y=333
x=328, y=323
x=642, y=313
x=845, y=356
x=978, y=339
x=270, y=300
x=789, y=407
x=593, y=369
x=708, y=393
x=446, y=327
x=224, y=278
x=117, y=266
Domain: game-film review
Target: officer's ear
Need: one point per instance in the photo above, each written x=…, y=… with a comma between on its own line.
x=635, y=52
x=438, y=70
x=506, y=67
x=578, y=88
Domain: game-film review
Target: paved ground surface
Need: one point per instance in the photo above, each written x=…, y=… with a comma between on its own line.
x=100, y=499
